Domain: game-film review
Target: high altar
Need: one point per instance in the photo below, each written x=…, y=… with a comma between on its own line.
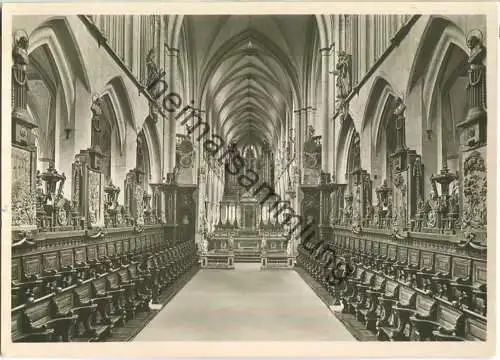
x=246, y=230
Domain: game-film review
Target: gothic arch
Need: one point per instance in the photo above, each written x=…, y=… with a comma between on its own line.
x=153, y=144
x=346, y=134
x=381, y=89
x=118, y=96
x=57, y=36
x=430, y=60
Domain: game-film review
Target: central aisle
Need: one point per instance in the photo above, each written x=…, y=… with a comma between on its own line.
x=245, y=304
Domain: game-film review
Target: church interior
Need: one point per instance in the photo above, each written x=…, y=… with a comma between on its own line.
x=237, y=177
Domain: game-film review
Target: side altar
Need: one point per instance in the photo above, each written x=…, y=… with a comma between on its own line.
x=276, y=250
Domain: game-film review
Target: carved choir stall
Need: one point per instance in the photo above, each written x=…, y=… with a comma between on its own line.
x=411, y=266
x=84, y=267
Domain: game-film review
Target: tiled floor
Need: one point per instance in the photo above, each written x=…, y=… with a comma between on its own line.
x=245, y=304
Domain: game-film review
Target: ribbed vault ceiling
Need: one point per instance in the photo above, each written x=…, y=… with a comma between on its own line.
x=249, y=69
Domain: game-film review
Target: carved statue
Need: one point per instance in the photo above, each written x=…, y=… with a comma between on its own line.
x=310, y=132
x=347, y=213
x=400, y=124
x=433, y=206
x=289, y=247
x=152, y=69
x=263, y=243
x=96, y=109
x=343, y=73
x=20, y=60
x=139, y=155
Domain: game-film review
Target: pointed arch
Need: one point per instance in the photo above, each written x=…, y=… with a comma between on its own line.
x=346, y=133
x=118, y=96
x=438, y=37
x=154, y=150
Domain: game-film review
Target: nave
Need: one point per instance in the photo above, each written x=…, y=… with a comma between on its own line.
x=352, y=148
x=246, y=304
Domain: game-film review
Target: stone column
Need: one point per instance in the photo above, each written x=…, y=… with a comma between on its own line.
x=325, y=177
x=299, y=143
x=325, y=155
x=170, y=147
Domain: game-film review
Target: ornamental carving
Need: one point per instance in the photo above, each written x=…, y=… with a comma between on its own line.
x=312, y=150
x=185, y=153
x=23, y=197
x=475, y=194
x=20, y=61
x=95, y=214
x=347, y=212
x=343, y=74
x=139, y=199
x=400, y=216
x=153, y=73
x=383, y=209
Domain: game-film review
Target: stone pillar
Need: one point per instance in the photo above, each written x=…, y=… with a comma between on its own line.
x=325, y=155
x=299, y=142
x=325, y=177
x=172, y=103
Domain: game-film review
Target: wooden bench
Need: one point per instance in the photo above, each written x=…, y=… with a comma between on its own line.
x=349, y=293
x=360, y=302
x=103, y=300
x=475, y=328
x=87, y=316
x=62, y=308
x=396, y=319
x=132, y=301
x=114, y=289
x=140, y=288
x=368, y=314
x=50, y=281
x=450, y=324
x=425, y=312
x=30, y=322
x=25, y=291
